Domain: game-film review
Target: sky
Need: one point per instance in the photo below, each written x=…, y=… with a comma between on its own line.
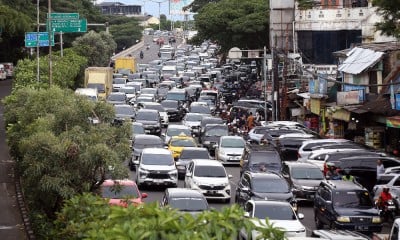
x=151, y=6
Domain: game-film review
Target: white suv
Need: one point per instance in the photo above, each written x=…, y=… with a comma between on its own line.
x=307, y=147
x=208, y=177
x=157, y=167
x=230, y=149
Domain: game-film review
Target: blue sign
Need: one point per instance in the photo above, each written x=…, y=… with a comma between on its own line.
x=311, y=86
x=33, y=39
x=397, y=98
x=323, y=84
x=361, y=90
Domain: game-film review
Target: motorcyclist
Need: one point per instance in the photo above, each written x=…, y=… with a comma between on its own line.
x=141, y=54
x=332, y=173
x=384, y=197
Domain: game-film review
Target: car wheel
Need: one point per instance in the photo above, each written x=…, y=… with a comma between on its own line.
x=318, y=223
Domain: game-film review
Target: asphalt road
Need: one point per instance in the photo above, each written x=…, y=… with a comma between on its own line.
x=155, y=193
x=11, y=223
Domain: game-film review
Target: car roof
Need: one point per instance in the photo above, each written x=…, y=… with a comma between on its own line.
x=231, y=137
x=195, y=149
x=156, y=151
x=335, y=234
x=266, y=175
x=176, y=126
x=184, y=192
x=342, y=185
x=146, y=136
x=301, y=164
x=269, y=203
x=147, y=110
x=206, y=162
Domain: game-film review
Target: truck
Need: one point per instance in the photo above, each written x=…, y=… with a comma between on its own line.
x=125, y=65
x=393, y=235
x=99, y=78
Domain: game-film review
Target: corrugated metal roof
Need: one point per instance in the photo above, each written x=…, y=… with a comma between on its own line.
x=359, y=59
x=378, y=47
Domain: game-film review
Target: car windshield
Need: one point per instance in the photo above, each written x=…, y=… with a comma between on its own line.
x=147, y=143
x=258, y=158
x=119, y=81
x=189, y=204
x=232, y=143
x=216, y=131
x=176, y=96
x=263, y=185
x=193, y=117
x=194, y=154
x=307, y=173
x=126, y=110
x=119, y=192
x=116, y=97
x=209, y=171
x=137, y=129
x=200, y=109
x=157, y=159
x=274, y=212
x=352, y=199
x=156, y=107
x=148, y=91
x=147, y=116
x=169, y=104
x=100, y=87
x=178, y=131
x=183, y=143
x=211, y=121
x=130, y=90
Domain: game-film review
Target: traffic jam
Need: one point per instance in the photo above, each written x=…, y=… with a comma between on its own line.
x=202, y=138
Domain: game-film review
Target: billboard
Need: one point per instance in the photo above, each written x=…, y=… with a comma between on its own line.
x=175, y=6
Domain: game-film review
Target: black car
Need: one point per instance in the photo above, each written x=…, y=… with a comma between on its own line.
x=140, y=142
x=209, y=120
x=123, y=112
x=174, y=109
x=345, y=205
x=151, y=121
x=303, y=178
x=261, y=159
x=188, y=154
x=211, y=135
x=263, y=186
x=184, y=200
x=289, y=146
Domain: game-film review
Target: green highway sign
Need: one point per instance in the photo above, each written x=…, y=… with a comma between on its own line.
x=63, y=16
x=67, y=26
x=31, y=39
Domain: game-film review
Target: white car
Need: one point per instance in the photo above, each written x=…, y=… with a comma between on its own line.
x=306, y=148
x=193, y=121
x=210, y=178
x=176, y=130
x=279, y=213
x=257, y=133
x=118, y=83
x=156, y=167
x=230, y=149
x=318, y=157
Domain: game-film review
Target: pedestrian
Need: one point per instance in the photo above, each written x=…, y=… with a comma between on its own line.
x=250, y=121
x=380, y=169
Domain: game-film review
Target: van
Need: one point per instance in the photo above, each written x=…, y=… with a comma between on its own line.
x=90, y=93
x=3, y=73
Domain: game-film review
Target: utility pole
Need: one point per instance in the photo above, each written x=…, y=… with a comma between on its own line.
x=50, y=61
x=37, y=44
x=284, y=77
x=265, y=84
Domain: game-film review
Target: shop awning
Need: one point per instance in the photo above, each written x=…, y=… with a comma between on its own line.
x=341, y=114
x=355, y=109
x=359, y=59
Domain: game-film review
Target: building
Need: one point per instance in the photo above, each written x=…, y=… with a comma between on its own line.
x=118, y=8
x=146, y=21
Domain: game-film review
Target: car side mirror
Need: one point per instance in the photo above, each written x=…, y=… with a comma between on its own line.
x=136, y=162
x=215, y=146
x=247, y=214
x=230, y=176
x=300, y=216
x=245, y=189
x=188, y=174
x=144, y=195
x=163, y=134
x=166, y=146
x=250, y=141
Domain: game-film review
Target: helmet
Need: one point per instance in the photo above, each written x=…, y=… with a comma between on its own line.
x=330, y=164
x=347, y=171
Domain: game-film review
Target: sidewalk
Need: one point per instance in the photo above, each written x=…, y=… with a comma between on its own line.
x=11, y=222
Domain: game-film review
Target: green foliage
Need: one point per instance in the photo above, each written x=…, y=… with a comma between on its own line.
x=390, y=11
x=82, y=216
x=305, y=4
x=59, y=152
x=66, y=70
x=96, y=47
x=196, y=5
x=125, y=31
x=234, y=23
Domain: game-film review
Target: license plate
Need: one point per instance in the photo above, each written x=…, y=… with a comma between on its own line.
x=362, y=228
x=212, y=192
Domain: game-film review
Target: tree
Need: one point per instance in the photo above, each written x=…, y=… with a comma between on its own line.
x=96, y=47
x=67, y=71
x=390, y=11
x=234, y=23
x=125, y=31
x=59, y=152
x=196, y=5
x=82, y=216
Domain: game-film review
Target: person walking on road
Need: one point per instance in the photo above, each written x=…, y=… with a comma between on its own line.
x=380, y=169
x=250, y=121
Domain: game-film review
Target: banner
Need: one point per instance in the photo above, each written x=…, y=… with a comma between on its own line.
x=175, y=6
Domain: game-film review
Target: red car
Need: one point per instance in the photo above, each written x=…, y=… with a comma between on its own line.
x=122, y=192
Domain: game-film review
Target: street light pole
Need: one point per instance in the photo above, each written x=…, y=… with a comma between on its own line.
x=50, y=63
x=159, y=16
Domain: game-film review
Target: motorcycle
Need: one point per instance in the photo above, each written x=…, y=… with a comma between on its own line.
x=387, y=210
x=141, y=55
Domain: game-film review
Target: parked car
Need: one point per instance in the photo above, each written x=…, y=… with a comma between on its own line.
x=210, y=178
x=122, y=192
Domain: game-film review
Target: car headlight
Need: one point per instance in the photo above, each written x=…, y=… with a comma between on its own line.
x=173, y=172
x=376, y=220
x=143, y=171
x=222, y=152
x=343, y=219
